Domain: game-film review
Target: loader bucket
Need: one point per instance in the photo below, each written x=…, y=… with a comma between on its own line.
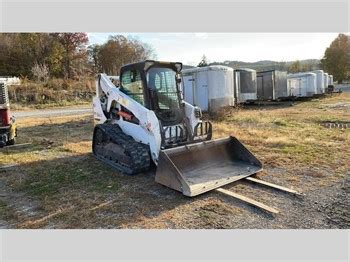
x=197, y=168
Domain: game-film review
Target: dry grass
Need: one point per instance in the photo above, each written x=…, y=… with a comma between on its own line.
x=292, y=136
x=54, y=92
x=72, y=189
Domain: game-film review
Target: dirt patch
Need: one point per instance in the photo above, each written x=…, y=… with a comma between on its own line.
x=15, y=206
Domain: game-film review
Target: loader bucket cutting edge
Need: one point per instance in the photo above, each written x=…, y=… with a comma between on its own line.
x=197, y=168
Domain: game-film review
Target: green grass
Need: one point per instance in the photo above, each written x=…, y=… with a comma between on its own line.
x=51, y=177
x=280, y=122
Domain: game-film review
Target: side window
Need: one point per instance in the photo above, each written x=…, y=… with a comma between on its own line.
x=132, y=85
x=164, y=81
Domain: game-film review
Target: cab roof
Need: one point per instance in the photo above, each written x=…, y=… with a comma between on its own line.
x=146, y=64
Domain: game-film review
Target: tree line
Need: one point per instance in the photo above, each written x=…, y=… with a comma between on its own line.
x=116, y=52
x=335, y=61
x=66, y=55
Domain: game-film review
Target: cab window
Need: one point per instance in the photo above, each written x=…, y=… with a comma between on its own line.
x=131, y=85
x=162, y=81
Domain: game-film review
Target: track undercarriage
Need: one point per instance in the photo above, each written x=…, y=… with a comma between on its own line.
x=112, y=146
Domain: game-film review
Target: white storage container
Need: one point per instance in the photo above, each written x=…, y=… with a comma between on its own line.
x=326, y=79
x=330, y=80
x=320, y=81
x=209, y=87
x=302, y=84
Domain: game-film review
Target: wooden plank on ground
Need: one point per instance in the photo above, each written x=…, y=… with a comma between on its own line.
x=261, y=182
x=16, y=146
x=248, y=200
x=9, y=166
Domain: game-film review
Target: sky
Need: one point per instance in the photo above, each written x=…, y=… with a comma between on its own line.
x=189, y=48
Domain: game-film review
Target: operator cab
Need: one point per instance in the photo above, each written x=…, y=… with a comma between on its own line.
x=155, y=85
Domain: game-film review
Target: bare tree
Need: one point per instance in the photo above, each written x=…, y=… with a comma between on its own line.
x=40, y=72
x=118, y=51
x=203, y=62
x=336, y=58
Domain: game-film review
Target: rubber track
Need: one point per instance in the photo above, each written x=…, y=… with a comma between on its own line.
x=138, y=152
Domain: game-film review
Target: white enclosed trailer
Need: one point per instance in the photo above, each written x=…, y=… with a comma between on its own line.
x=330, y=80
x=294, y=87
x=209, y=87
x=302, y=84
x=245, y=85
x=321, y=88
x=10, y=80
x=326, y=79
x=272, y=85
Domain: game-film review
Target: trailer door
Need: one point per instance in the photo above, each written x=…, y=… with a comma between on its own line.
x=201, y=98
x=188, y=88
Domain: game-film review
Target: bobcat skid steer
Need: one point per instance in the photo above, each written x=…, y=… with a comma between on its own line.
x=145, y=120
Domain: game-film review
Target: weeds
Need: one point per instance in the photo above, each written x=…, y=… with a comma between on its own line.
x=58, y=92
x=47, y=178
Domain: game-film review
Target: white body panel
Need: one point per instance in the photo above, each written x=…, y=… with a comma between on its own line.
x=148, y=132
x=190, y=114
x=210, y=87
x=320, y=81
x=302, y=84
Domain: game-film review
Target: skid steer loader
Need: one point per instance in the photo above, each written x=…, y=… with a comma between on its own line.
x=145, y=120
